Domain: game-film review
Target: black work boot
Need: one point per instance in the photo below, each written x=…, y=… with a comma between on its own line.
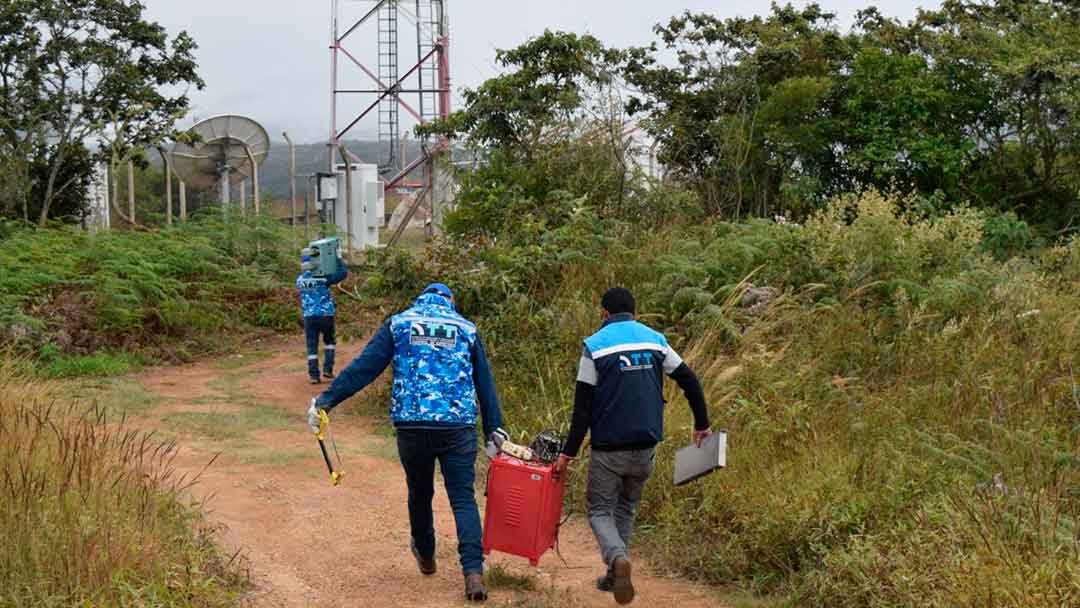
x=606, y=583
x=474, y=587
x=314, y=380
x=624, y=589
x=426, y=564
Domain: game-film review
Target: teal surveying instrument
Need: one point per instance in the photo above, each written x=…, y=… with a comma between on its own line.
x=321, y=257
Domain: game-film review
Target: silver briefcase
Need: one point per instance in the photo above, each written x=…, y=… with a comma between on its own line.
x=692, y=462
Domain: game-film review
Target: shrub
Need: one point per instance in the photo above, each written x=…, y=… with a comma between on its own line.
x=1005, y=235
x=79, y=292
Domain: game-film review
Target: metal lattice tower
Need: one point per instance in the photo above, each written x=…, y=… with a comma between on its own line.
x=429, y=30
x=389, y=125
x=422, y=89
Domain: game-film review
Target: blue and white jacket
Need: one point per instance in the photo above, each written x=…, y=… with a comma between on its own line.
x=315, y=297
x=441, y=373
x=619, y=396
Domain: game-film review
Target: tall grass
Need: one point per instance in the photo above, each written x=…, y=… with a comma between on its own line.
x=93, y=514
x=904, y=419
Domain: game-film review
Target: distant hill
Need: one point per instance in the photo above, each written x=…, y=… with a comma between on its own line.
x=310, y=158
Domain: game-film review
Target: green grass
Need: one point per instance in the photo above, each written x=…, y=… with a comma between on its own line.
x=413, y=238
x=100, y=364
x=243, y=359
x=498, y=577
x=230, y=387
x=548, y=597
x=118, y=396
x=92, y=304
x=231, y=425
x=380, y=446
x=270, y=456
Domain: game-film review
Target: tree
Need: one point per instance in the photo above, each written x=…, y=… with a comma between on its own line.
x=901, y=124
x=542, y=94
x=68, y=67
x=69, y=203
x=742, y=112
x=1025, y=55
x=551, y=131
x=978, y=101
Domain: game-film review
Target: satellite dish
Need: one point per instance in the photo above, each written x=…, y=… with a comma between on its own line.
x=221, y=155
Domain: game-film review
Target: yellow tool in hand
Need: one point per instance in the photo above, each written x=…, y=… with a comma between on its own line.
x=324, y=425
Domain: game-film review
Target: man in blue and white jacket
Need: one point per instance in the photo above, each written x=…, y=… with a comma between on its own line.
x=619, y=399
x=442, y=381
x=317, y=306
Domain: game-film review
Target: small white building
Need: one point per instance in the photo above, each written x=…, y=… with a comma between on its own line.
x=368, y=206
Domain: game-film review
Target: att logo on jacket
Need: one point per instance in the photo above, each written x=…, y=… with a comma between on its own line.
x=635, y=362
x=438, y=335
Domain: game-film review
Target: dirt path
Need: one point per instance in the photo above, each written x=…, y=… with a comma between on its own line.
x=311, y=544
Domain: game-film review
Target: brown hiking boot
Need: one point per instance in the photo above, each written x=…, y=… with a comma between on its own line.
x=474, y=587
x=426, y=564
x=624, y=589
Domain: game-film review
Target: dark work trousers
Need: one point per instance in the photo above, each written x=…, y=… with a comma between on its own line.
x=455, y=449
x=313, y=328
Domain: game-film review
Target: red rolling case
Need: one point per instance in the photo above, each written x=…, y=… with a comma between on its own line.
x=524, y=504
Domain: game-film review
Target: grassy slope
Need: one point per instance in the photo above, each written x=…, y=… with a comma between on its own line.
x=902, y=420
x=96, y=304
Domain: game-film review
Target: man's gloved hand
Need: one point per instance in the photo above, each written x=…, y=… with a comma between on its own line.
x=313, y=417
x=495, y=439
x=498, y=437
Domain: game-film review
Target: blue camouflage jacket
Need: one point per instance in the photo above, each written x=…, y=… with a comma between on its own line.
x=315, y=296
x=441, y=373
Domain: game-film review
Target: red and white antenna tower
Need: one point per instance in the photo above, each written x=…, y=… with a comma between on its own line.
x=422, y=90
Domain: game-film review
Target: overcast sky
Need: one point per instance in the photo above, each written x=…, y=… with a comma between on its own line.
x=269, y=59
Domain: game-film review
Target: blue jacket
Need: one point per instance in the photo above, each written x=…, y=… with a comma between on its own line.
x=619, y=396
x=441, y=373
x=315, y=297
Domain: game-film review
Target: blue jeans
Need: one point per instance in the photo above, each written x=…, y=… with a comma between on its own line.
x=313, y=328
x=455, y=449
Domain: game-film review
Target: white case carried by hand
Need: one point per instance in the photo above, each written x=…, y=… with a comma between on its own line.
x=692, y=462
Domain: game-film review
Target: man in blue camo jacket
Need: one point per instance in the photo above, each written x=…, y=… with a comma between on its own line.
x=317, y=304
x=441, y=382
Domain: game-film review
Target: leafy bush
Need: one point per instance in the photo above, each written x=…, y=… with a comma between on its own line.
x=1005, y=235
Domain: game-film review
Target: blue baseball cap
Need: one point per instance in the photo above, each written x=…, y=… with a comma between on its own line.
x=440, y=289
